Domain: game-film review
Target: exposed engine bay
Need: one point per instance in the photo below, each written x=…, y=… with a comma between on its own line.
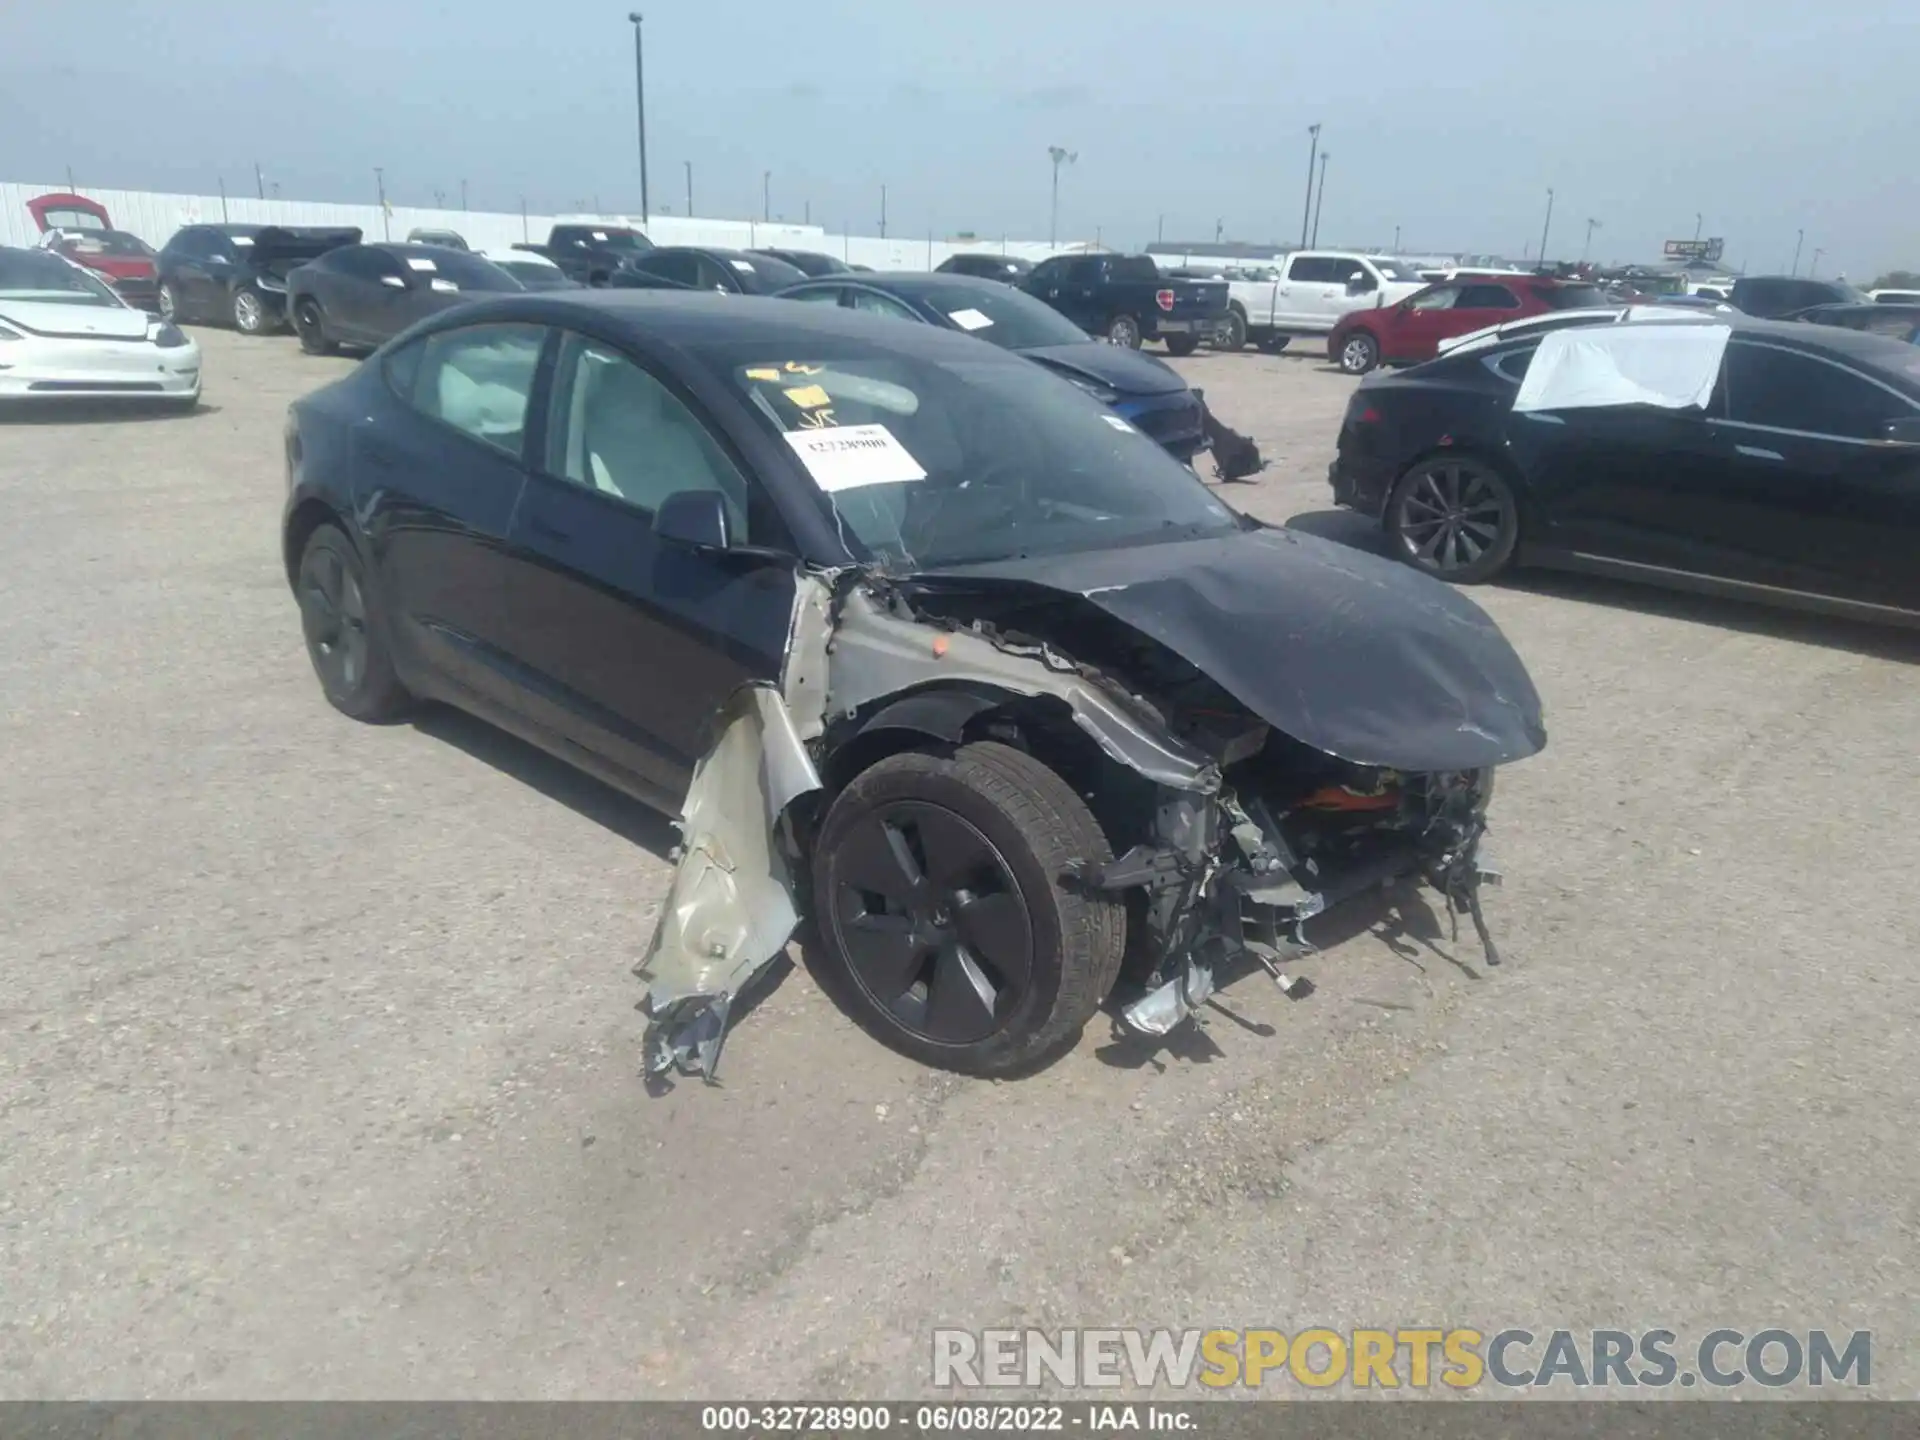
x=1263, y=727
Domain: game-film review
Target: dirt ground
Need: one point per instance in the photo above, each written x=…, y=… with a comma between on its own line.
x=321, y=1077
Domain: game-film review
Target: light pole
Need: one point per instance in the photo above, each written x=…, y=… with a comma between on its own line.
x=883, y=212
x=766, y=195
x=1813, y=266
x=1798, y=242
x=1592, y=225
x=689, y=168
x=463, y=195
x=380, y=185
x=1325, y=155
x=259, y=180
x=640, y=105
x=1547, y=226
x=1219, y=230
x=1306, y=210
x=1060, y=156
x=1159, y=229
x=1696, y=225
x=1396, y=239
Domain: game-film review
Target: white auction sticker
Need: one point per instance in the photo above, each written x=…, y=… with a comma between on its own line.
x=1117, y=423
x=745, y=267
x=970, y=319
x=419, y=262
x=441, y=283
x=847, y=457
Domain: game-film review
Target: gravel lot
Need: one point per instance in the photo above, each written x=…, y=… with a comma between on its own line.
x=320, y=1073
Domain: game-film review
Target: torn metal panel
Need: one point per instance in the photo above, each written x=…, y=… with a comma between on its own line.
x=1673, y=367
x=878, y=652
x=731, y=908
x=1356, y=656
x=804, y=678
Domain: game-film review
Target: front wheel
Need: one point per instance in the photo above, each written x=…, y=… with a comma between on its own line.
x=1359, y=353
x=945, y=927
x=1180, y=345
x=311, y=324
x=1124, y=330
x=345, y=632
x=1454, y=517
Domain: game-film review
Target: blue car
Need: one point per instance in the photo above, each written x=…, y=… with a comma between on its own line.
x=1145, y=391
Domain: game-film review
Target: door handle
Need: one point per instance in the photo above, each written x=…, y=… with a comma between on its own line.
x=1755, y=452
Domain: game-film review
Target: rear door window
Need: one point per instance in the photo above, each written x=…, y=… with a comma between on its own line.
x=477, y=380
x=1487, y=297
x=1441, y=297
x=1785, y=390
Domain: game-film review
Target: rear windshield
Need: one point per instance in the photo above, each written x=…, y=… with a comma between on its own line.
x=108, y=242
x=536, y=277
x=1137, y=269
x=1009, y=318
x=457, y=269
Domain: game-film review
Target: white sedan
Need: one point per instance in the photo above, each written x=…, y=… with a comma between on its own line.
x=64, y=335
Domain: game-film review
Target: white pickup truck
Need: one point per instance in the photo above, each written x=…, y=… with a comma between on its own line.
x=1308, y=292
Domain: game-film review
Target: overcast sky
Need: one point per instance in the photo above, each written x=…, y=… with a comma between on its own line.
x=1448, y=118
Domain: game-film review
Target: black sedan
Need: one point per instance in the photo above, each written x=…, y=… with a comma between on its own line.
x=1892, y=319
x=1791, y=474
x=921, y=643
x=1139, y=388
x=690, y=267
x=364, y=295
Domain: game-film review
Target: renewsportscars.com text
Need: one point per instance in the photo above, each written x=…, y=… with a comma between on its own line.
x=1413, y=1358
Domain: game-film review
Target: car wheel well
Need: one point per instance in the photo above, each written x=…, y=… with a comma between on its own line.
x=308, y=516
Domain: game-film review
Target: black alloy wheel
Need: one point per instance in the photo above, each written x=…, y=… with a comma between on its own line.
x=345, y=638
x=1455, y=517
x=945, y=927
x=311, y=326
x=1124, y=330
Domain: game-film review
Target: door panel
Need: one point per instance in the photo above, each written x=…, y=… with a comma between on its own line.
x=627, y=645
x=438, y=486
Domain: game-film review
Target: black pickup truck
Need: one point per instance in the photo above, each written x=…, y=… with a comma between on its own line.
x=1127, y=299
x=589, y=254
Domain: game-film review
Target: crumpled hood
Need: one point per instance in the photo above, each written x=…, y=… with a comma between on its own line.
x=1357, y=656
x=77, y=322
x=1115, y=366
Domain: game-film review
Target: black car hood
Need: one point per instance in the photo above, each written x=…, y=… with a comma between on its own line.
x=1115, y=366
x=1357, y=656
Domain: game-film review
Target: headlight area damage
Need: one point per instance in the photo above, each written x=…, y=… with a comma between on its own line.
x=1004, y=793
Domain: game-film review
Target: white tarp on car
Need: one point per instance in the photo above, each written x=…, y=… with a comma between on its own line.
x=1672, y=366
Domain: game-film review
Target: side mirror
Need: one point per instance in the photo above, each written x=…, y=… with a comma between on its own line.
x=1904, y=431
x=696, y=519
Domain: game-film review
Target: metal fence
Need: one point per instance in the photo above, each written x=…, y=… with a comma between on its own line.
x=154, y=216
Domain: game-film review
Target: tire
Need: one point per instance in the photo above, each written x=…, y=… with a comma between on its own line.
x=346, y=631
x=1181, y=345
x=1273, y=344
x=169, y=303
x=1455, y=517
x=1124, y=330
x=987, y=833
x=248, y=309
x=1232, y=334
x=311, y=325
x=1358, y=353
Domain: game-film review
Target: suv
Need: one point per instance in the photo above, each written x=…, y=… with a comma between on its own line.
x=1768, y=297
x=237, y=274
x=1309, y=293
x=1411, y=331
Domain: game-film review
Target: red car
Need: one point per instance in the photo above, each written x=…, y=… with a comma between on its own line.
x=1409, y=332
x=80, y=229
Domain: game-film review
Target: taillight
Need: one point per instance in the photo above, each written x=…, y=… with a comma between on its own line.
x=1368, y=416
x=1164, y=299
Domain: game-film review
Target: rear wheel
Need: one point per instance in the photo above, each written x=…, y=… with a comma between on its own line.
x=944, y=924
x=1454, y=517
x=1232, y=334
x=1124, y=330
x=345, y=632
x=1359, y=353
x=250, y=313
x=1182, y=344
x=311, y=324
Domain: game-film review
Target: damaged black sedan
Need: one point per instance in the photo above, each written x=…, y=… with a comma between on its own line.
x=942, y=663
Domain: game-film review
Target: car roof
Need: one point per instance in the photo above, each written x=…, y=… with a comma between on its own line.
x=696, y=318
x=517, y=257
x=912, y=282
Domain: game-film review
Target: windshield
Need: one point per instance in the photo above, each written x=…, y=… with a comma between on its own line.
x=763, y=274
x=944, y=462
x=1010, y=319
x=536, y=277
x=1396, y=270
x=446, y=269
x=621, y=240
x=809, y=263
x=36, y=275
